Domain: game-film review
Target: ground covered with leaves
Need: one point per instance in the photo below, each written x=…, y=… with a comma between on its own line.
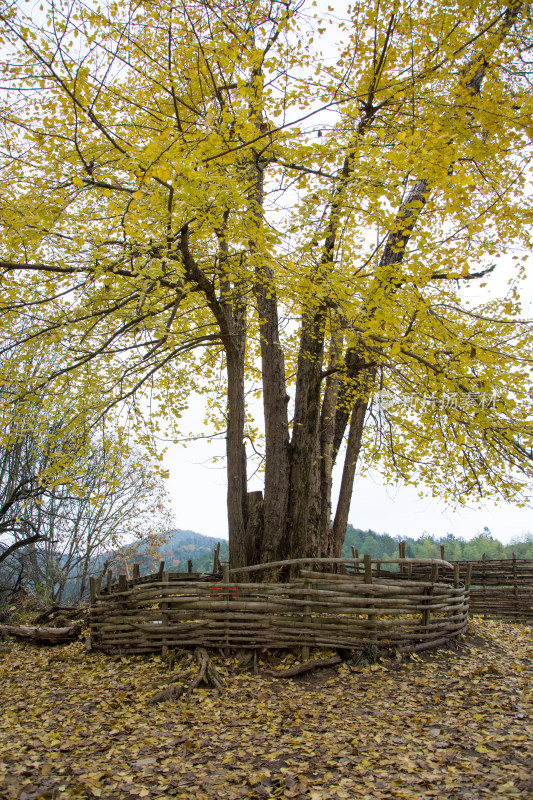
x=455, y=724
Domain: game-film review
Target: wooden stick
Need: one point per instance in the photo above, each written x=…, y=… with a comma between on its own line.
x=348, y=561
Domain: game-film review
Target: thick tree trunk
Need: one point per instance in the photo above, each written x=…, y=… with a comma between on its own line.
x=239, y=547
x=305, y=445
x=275, y=400
x=353, y=449
x=327, y=436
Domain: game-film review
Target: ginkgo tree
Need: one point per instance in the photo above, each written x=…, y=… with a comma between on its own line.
x=194, y=199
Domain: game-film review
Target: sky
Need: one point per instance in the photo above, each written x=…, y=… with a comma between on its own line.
x=198, y=492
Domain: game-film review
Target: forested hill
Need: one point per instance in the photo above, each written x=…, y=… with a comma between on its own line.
x=382, y=545
x=184, y=545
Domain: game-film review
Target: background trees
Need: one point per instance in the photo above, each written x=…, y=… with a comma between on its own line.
x=221, y=212
x=68, y=528
x=69, y=493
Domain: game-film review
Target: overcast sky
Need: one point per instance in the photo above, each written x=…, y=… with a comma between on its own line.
x=198, y=492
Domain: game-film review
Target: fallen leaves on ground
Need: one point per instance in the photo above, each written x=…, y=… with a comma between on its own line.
x=453, y=725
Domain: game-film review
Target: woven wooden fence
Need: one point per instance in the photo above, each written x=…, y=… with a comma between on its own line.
x=499, y=588
x=353, y=609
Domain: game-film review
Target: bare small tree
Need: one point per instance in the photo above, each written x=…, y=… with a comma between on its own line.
x=53, y=528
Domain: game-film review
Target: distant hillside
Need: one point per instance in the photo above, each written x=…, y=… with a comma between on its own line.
x=382, y=545
x=184, y=545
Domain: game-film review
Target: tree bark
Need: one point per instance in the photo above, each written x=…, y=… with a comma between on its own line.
x=236, y=499
x=305, y=444
x=348, y=474
x=43, y=635
x=275, y=400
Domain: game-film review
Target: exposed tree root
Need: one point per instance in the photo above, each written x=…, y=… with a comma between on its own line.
x=307, y=666
x=207, y=675
x=172, y=692
x=174, y=678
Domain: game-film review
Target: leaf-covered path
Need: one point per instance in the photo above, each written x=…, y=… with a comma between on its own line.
x=450, y=726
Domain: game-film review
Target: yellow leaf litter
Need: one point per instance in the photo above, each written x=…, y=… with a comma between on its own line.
x=452, y=725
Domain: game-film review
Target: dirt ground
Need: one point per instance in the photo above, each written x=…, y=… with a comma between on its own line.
x=452, y=725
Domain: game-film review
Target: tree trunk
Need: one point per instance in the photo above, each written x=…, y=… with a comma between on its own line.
x=275, y=399
x=305, y=445
x=327, y=436
x=43, y=635
x=238, y=544
x=348, y=474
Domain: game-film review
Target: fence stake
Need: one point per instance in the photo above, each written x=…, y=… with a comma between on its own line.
x=468, y=579
x=306, y=652
x=515, y=587
x=371, y=617
x=368, y=568
x=164, y=617
x=225, y=580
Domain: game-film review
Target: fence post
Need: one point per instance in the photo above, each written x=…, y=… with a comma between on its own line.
x=515, y=588
x=368, y=568
x=92, y=589
x=225, y=581
x=426, y=613
x=371, y=617
x=468, y=578
x=109, y=580
x=136, y=572
x=164, y=617
x=306, y=650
